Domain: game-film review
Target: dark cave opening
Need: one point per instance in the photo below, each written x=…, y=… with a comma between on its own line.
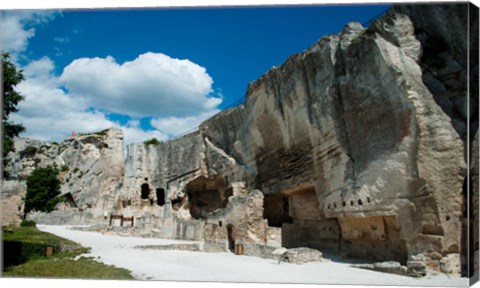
x=206, y=195
x=160, y=196
x=145, y=188
x=276, y=210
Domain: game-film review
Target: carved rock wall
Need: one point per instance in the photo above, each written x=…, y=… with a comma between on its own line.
x=355, y=145
x=354, y=119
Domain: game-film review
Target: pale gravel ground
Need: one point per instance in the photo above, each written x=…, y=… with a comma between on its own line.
x=227, y=267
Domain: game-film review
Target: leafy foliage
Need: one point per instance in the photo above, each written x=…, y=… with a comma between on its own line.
x=42, y=188
x=28, y=223
x=11, y=98
x=152, y=141
x=99, y=133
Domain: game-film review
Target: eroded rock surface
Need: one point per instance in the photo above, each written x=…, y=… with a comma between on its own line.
x=91, y=170
x=355, y=145
x=350, y=142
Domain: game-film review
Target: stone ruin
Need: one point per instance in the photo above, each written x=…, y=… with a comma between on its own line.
x=355, y=146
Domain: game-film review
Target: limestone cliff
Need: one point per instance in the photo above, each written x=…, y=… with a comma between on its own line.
x=91, y=167
x=356, y=145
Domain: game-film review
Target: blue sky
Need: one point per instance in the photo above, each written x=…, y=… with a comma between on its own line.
x=153, y=72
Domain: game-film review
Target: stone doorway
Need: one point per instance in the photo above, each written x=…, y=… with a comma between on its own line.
x=231, y=237
x=145, y=188
x=160, y=196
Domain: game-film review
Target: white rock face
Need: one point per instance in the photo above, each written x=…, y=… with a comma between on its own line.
x=91, y=167
x=350, y=135
x=355, y=145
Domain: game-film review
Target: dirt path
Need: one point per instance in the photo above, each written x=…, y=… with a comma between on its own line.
x=177, y=265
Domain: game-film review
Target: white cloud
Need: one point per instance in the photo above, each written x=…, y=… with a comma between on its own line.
x=178, y=93
x=134, y=134
x=154, y=84
x=43, y=97
x=58, y=127
x=50, y=114
x=17, y=28
x=177, y=125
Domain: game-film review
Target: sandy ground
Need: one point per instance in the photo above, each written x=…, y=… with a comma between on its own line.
x=227, y=267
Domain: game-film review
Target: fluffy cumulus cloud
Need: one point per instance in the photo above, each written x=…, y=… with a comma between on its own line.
x=177, y=125
x=48, y=112
x=56, y=105
x=175, y=94
x=17, y=27
x=151, y=85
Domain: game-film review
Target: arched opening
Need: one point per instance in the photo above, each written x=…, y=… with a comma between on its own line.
x=145, y=191
x=231, y=237
x=160, y=196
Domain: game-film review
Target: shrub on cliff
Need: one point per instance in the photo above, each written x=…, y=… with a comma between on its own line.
x=153, y=141
x=42, y=188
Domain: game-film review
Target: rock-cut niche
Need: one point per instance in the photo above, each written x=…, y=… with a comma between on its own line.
x=206, y=195
x=160, y=196
x=145, y=188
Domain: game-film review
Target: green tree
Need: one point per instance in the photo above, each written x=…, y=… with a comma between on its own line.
x=10, y=98
x=42, y=188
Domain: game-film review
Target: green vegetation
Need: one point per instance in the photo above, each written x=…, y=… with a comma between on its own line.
x=75, y=170
x=83, y=268
x=33, y=235
x=64, y=168
x=24, y=243
x=25, y=257
x=42, y=188
x=28, y=223
x=100, y=133
x=10, y=98
x=152, y=141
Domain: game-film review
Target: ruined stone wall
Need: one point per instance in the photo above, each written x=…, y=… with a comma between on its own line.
x=13, y=202
x=165, y=165
x=241, y=222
